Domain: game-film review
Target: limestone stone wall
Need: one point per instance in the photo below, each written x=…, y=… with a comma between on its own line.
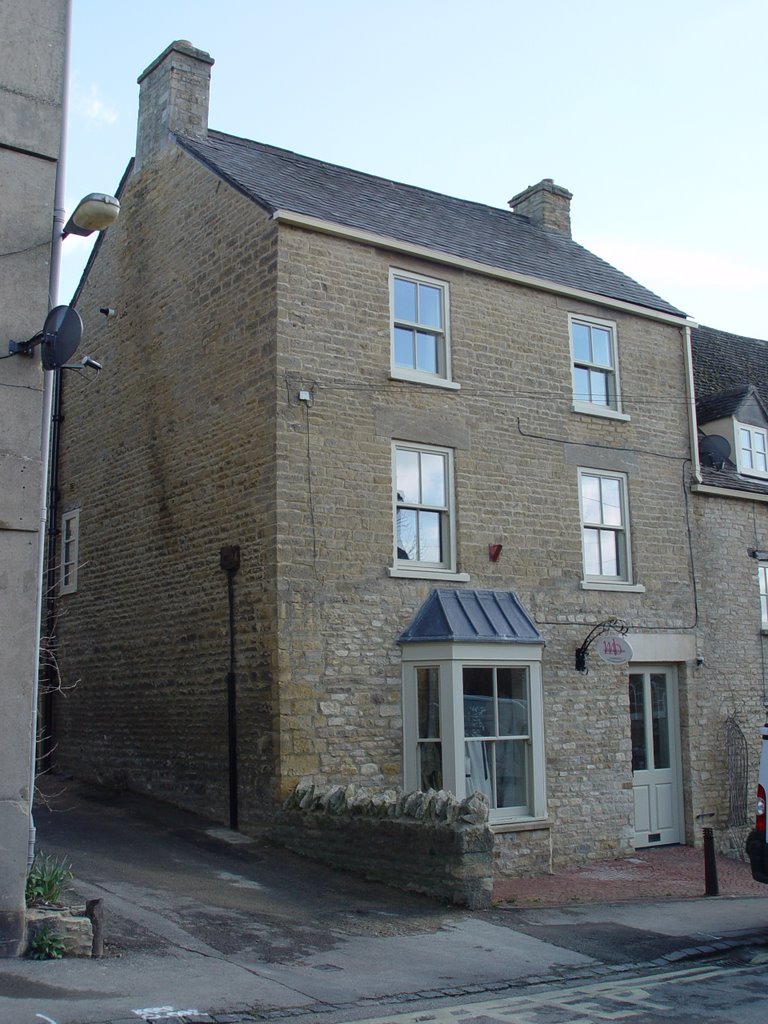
x=195, y=436
x=422, y=842
x=732, y=680
x=170, y=455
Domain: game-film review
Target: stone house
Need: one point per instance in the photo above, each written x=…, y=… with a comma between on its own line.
x=730, y=534
x=448, y=446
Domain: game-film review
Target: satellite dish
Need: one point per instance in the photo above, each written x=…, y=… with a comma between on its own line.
x=714, y=450
x=62, y=332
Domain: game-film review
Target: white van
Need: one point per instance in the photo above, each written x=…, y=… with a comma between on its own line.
x=757, y=848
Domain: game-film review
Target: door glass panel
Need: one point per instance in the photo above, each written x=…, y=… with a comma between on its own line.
x=637, y=722
x=660, y=720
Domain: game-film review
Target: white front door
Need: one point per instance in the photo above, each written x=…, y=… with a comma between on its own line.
x=656, y=772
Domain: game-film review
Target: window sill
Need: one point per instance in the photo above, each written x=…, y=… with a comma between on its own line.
x=520, y=825
x=429, y=574
x=588, y=409
x=629, y=588
x=423, y=378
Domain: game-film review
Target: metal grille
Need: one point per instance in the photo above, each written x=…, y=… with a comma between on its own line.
x=738, y=773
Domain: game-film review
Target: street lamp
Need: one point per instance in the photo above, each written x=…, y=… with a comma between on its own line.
x=94, y=212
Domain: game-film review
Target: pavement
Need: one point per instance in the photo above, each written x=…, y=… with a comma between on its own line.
x=203, y=924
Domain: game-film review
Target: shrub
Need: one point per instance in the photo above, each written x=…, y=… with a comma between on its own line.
x=46, y=879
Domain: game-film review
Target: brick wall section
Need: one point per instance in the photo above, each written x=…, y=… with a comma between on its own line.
x=195, y=437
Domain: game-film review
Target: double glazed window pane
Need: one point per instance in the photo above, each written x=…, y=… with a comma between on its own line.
x=601, y=553
x=649, y=751
x=419, y=337
x=429, y=746
x=602, y=512
x=496, y=707
x=591, y=386
x=592, y=344
x=421, y=505
x=753, y=450
x=593, y=364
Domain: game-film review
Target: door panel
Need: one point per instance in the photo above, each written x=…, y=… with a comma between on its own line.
x=656, y=773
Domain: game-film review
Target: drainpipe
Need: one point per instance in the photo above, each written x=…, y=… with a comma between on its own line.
x=59, y=220
x=230, y=563
x=47, y=739
x=690, y=394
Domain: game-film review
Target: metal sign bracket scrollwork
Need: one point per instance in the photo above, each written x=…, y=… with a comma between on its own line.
x=607, y=626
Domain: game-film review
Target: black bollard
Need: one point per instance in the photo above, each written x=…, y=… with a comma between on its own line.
x=711, y=885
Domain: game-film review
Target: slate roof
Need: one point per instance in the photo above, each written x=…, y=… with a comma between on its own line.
x=278, y=179
x=728, y=369
x=725, y=362
x=474, y=616
x=722, y=404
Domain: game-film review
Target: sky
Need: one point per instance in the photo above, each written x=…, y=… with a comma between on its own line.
x=653, y=115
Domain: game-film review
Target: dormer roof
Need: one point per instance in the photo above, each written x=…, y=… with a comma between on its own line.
x=742, y=403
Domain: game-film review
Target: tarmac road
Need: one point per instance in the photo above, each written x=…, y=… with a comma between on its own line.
x=201, y=919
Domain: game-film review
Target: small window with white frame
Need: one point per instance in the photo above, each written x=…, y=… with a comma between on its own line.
x=595, y=367
x=420, y=335
x=70, y=541
x=762, y=578
x=752, y=450
x=423, y=508
x=605, y=527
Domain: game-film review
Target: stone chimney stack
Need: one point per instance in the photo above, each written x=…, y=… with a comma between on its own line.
x=173, y=97
x=546, y=205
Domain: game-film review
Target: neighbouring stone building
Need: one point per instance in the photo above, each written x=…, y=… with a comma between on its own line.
x=31, y=84
x=730, y=521
x=451, y=446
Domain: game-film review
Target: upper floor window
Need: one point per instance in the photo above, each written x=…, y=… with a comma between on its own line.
x=605, y=526
x=423, y=484
x=595, y=367
x=752, y=450
x=420, y=347
x=762, y=577
x=70, y=537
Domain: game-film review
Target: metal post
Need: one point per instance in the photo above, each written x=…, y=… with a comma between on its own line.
x=230, y=563
x=711, y=885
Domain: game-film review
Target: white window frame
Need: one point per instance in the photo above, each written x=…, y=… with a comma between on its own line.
x=753, y=448
x=443, y=377
x=70, y=546
x=624, y=580
x=446, y=568
x=450, y=659
x=762, y=582
x=583, y=404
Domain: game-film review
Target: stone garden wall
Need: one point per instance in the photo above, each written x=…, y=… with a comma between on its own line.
x=423, y=842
